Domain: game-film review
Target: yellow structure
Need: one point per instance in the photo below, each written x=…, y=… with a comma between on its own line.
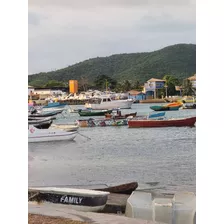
x=73, y=86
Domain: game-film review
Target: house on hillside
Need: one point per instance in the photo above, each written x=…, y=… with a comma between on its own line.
x=151, y=87
x=136, y=95
x=192, y=79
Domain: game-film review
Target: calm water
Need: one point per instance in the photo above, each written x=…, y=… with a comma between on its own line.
x=114, y=155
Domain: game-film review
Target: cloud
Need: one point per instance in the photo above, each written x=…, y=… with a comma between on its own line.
x=69, y=31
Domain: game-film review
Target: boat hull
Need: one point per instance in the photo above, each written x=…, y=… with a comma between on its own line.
x=47, y=114
x=162, y=123
x=55, y=105
x=47, y=135
x=102, y=122
x=157, y=115
x=122, y=104
x=81, y=199
x=121, y=189
x=120, y=116
x=164, y=108
x=189, y=106
x=43, y=125
x=93, y=113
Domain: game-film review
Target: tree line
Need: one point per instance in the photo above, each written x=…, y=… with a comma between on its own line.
x=104, y=82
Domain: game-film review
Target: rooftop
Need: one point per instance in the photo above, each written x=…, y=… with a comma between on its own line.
x=134, y=92
x=155, y=80
x=192, y=78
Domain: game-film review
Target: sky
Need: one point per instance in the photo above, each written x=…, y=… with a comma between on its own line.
x=65, y=32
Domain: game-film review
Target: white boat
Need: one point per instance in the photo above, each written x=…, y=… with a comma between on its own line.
x=106, y=103
x=50, y=134
x=82, y=199
x=66, y=127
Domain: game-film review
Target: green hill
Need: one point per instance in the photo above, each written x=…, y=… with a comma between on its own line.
x=178, y=60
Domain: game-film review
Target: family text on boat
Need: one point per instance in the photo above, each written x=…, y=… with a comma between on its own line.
x=71, y=200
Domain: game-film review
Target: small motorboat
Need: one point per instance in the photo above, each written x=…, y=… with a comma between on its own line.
x=118, y=115
x=90, y=112
x=41, y=118
x=189, y=106
x=121, y=189
x=82, y=199
x=54, y=106
x=50, y=134
x=106, y=103
x=41, y=123
x=150, y=123
x=38, y=120
x=102, y=122
x=159, y=115
x=46, y=114
x=166, y=107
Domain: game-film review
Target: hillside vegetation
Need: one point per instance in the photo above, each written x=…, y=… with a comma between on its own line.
x=177, y=60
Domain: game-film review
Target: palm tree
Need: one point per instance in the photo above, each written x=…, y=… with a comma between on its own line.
x=188, y=89
x=170, y=83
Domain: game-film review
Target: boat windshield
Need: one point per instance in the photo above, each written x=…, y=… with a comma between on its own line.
x=94, y=100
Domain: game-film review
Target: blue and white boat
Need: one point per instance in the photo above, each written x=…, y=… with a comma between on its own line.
x=157, y=116
x=54, y=106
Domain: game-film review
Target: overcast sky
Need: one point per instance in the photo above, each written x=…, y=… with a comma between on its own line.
x=64, y=32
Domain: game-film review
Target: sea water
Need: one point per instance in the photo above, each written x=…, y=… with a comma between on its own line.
x=158, y=158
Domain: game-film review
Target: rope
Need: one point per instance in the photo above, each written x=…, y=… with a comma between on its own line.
x=33, y=196
x=84, y=136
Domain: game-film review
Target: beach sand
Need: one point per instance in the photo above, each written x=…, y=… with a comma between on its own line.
x=42, y=219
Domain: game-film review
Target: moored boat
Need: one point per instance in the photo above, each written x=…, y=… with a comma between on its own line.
x=106, y=103
x=81, y=199
x=46, y=114
x=174, y=104
x=38, y=120
x=149, y=123
x=102, y=122
x=157, y=115
x=55, y=106
x=189, y=106
x=164, y=108
x=46, y=135
x=42, y=124
x=121, y=189
x=93, y=112
x=119, y=115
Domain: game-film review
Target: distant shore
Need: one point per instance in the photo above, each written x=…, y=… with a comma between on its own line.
x=82, y=102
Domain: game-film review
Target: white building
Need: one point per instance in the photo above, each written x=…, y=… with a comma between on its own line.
x=193, y=80
x=30, y=90
x=151, y=86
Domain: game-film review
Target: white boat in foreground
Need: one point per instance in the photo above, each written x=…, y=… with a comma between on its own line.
x=82, y=199
x=50, y=134
x=106, y=103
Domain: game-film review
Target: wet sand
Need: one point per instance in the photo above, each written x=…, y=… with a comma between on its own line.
x=42, y=219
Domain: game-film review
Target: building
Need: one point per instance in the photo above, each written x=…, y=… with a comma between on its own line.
x=30, y=90
x=192, y=79
x=136, y=95
x=73, y=86
x=151, y=86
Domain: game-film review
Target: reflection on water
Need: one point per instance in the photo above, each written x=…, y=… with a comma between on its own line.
x=115, y=155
